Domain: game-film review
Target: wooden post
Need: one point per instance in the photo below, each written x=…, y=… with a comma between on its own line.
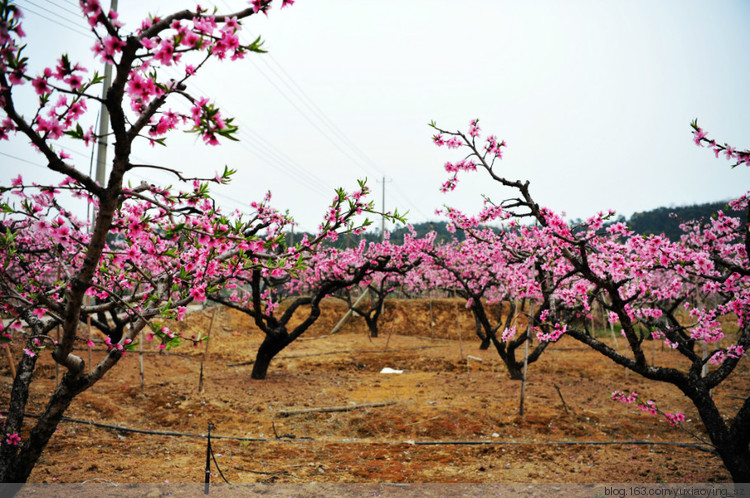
x=88, y=343
x=10, y=360
x=347, y=314
x=207, y=481
x=614, y=336
x=140, y=354
x=388, y=339
x=526, y=358
x=205, y=351
x=432, y=321
x=57, y=365
x=458, y=326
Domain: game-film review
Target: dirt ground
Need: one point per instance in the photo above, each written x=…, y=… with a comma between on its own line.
x=451, y=416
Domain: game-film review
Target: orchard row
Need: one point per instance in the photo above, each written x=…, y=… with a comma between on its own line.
x=151, y=251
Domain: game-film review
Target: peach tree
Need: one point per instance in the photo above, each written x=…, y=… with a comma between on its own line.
x=643, y=281
x=149, y=250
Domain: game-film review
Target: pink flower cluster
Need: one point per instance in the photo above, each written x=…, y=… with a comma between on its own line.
x=557, y=332
x=733, y=351
x=648, y=406
x=158, y=44
x=12, y=439
x=700, y=137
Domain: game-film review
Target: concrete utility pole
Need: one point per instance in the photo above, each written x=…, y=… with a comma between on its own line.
x=101, y=153
x=382, y=216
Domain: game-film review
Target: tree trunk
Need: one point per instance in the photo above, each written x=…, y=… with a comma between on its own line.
x=485, y=344
x=506, y=352
x=372, y=317
x=270, y=347
x=737, y=462
x=734, y=453
x=515, y=369
x=372, y=324
x=18, y=469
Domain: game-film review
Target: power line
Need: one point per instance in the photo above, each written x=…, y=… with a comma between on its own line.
x=363, y=160
x=286, y=163
x=23, y=160
x=402, y=195
x=76, y=15
x=297, y=91
x=75, y=12
x=292, y=84
x=307, y=117
x=75, y=29
x=330, y=123
x=382, y=216
x=264, y=149
x=267, y=151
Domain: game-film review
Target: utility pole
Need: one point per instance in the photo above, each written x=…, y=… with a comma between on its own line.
x=382, y=216
x=101, y=168
x=101, y=155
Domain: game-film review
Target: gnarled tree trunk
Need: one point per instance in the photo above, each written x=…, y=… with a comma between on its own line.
x=269, y=348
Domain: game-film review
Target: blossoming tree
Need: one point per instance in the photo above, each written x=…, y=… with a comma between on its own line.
x=380, y=285
x=149, y=250
x=644, y=280
x=257, y=292
x=488, y=269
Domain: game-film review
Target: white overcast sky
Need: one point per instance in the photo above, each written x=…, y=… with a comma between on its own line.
x=594, y=99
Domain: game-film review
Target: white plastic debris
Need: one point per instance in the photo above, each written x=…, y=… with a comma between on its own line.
x=389, y=370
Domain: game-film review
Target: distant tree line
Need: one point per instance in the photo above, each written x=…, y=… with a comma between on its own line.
x=664, y=220
x=667, y=220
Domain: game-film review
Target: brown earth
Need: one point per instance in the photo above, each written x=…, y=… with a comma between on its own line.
x=442, y=396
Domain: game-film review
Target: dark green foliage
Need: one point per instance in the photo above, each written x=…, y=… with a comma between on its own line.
x=664, y=220
x=667, y=220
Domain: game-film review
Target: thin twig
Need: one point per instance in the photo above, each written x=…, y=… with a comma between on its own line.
x=261, y=472
x=327, y=409
x=559, y=393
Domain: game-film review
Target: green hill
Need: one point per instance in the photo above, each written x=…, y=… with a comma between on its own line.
x=667, y=220
x=664, y=220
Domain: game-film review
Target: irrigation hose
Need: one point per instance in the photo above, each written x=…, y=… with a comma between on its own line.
x=414, y=443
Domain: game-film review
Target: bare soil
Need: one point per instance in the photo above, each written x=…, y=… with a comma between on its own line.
x=450, y=394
